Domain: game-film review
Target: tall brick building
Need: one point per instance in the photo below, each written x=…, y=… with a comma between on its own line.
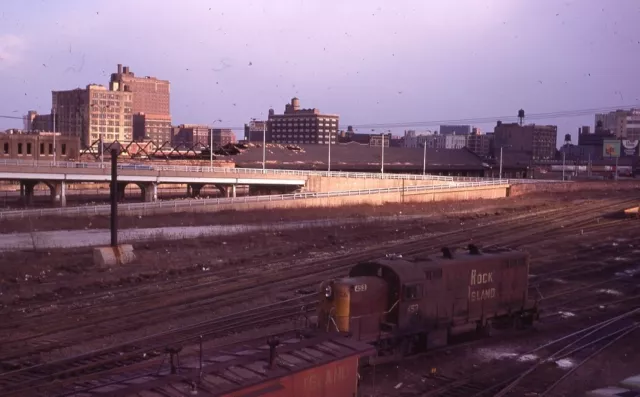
x=93, y=113
x=537, y=141
x=301, y=126
x=151, y=104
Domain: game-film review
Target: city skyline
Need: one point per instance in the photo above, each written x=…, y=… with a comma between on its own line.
x=232, y=63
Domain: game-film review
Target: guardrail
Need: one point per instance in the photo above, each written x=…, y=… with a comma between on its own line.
x=228, y=170
x=141, y=208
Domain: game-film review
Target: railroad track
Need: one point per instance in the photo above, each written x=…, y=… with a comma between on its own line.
x=412, y=244
x=201, y=300
x=207, y=297
x=540, y=370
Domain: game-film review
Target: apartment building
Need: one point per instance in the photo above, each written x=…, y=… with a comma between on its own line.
x=300, y=126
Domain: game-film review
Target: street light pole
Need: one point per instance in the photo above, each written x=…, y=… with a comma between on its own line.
x=382, y=157
x=500, y=175
x=264, y=145
x=563, y=160
x=211, y=143
x=53, y=113
x=329, y=159
x=424, y=159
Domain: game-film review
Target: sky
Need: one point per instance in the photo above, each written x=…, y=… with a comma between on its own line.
x=370, y=61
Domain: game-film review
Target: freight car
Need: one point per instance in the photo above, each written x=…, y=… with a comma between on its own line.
x=405, y=306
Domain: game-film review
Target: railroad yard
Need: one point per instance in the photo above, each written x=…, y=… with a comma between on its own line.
x=70, y=328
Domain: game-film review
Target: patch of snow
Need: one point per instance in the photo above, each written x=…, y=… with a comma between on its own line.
x=495, y=354
x=565, y=363
x=566, y=314
x=527, y=357
x=610, y=292
x=628, y=272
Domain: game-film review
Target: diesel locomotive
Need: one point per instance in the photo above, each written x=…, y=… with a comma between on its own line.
x=408, y=305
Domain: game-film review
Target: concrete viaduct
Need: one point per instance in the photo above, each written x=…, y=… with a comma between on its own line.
x=147, y=178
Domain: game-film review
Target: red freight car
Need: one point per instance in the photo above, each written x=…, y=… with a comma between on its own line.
x=292, y=365
x=408, y=305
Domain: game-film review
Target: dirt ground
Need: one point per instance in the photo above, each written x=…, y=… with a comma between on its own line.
x=269, y=216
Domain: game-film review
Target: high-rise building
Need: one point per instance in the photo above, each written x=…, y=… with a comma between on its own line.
x=37, y=122
x=538, y=141
x=624, y=124
x=150, y=101
x=94, y=113
x=302, y=125
x=222, y=136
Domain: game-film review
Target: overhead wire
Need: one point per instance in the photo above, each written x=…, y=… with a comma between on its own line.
x=469, y=120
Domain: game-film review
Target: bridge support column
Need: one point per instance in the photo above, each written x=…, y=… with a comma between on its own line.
x=149, y=192
x=233, y=191
x=26, y=192
x=193, y=189
x=58, y=193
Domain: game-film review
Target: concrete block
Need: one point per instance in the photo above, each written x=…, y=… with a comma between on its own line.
x=112, y=256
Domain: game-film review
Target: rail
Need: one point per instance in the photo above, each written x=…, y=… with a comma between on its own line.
x=257, y=171
x=137, y=208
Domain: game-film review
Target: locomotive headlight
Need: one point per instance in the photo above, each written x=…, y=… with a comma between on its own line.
x=328, y=291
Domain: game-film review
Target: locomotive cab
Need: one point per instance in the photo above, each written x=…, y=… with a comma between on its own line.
x=353, y=305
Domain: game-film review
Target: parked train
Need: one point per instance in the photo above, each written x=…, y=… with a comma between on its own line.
x=405, y=306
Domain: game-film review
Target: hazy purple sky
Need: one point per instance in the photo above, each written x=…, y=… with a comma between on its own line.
x=370, y=61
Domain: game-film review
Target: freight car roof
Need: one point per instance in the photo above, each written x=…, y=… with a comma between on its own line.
x=237, y=368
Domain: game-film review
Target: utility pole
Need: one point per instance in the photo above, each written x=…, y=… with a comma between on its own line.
x=114, y=197
x=264, y=145
x=563, y=161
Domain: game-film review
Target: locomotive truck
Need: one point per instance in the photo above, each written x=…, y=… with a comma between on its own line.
x=407, y=305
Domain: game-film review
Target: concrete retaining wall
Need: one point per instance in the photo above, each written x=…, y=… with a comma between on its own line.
x=489, y=192
x=531, y=188
x=335, y=184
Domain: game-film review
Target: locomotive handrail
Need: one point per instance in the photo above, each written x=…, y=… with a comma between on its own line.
x=392, y=307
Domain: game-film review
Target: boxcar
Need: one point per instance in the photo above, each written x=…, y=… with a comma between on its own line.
x=419, y=303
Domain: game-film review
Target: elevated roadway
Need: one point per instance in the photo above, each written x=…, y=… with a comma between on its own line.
x=148, y=176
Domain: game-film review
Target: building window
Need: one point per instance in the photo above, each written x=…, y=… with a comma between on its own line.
x=19, y=148
x=5, y=149
x=64, y=149
x=41, y=149
x=28, y=148
x=51, y=148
